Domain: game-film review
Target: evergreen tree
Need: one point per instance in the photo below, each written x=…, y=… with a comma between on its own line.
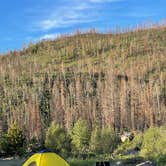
x=80, y=135
x=13, y=141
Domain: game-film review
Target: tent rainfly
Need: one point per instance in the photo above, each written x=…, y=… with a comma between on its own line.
x=45, y=158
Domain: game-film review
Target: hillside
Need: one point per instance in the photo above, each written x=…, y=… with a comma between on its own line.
x=116, y=80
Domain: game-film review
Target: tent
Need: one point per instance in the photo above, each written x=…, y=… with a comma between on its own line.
x=45, y=158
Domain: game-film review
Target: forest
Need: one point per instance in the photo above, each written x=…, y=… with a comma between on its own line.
x=114, y=82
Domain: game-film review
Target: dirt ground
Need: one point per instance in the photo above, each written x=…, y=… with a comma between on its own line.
x=10, y=163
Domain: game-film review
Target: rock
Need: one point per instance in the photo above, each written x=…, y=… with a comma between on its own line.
x=127, y=136
x=7, y=158
x=146, y=163
x=132, y=152
x=118, y=163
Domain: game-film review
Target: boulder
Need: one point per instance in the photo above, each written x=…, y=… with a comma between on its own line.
x=146, y=163
x=127, y=136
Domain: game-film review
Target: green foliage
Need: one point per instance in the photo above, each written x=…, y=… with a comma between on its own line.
x=123, y=148
x=3, y=144
x=109, y=139
x=34, y=145
x=103, y=140
x=57, y=139
x=13, y=142
x=82, y=162
x=154, y=144
x=96, y=141
x=44, y=102
x=136, y=143
x=151, y=145
x=91, y=71
x=80, y=135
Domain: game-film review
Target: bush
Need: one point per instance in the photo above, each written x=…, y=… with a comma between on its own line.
x=128, y=145
x=57, y=139
x=13, y=142
x=34, y=145
x=103, y=140
x=96, y=141
x=161, y=161
x=154, y=144
x=3, y=144
x=80, y=135
x=110, y=140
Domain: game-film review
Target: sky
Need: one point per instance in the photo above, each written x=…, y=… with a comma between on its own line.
x=25, y=21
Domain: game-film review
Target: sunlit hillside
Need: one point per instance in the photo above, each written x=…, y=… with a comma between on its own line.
x=116, y=80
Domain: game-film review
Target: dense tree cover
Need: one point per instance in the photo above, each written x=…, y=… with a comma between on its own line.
x=74, y=143
x=82, y=142
x=113, y=81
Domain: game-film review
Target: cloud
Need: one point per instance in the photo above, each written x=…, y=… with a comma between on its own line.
x=72, y=13
x=55, y=23
x=49, y=36
x=47, y=24
x=66, y=16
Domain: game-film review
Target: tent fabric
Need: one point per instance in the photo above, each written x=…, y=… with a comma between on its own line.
x=45, y=159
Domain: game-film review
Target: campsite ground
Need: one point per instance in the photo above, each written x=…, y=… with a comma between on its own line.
x=9, y=162
x=72, y=163
x=18, y=162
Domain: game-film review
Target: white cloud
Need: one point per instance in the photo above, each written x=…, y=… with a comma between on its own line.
x=49, y=36
x=48, y=24
x=73, y=13
x=66, y=16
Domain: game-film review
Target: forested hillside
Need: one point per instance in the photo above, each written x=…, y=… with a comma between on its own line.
x=116, y=80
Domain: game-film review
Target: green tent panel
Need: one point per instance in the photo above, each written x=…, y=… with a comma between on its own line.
x=45, y=159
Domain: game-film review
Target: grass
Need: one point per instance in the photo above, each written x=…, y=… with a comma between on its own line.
x=82, y=162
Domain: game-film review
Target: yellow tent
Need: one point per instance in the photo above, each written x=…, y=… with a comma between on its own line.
x=45, y=159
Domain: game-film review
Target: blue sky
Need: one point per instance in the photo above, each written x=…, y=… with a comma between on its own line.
x=23, y=21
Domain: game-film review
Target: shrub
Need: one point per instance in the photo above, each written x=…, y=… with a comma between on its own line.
x=109, y=139
x=3, y=144
x=103, y=140
x=95, y=141
x=154, y=144
x=135, y=144
x=57, y=139
x=34, y=145
x=13, y=142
